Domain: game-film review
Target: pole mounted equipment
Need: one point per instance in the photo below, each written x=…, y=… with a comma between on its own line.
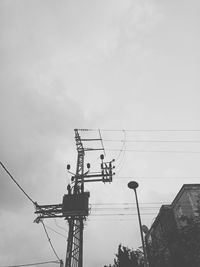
x=75, y=204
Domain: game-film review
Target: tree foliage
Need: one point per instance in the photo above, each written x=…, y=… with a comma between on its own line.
x=128, y=258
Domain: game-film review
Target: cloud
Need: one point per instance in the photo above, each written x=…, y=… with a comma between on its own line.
x=71, y=64
x=36, y=123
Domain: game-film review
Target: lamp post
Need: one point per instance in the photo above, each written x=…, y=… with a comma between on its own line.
x=133, y=185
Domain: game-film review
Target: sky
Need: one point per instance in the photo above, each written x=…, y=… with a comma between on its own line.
x=131, y=66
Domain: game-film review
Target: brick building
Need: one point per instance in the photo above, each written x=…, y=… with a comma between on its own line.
x=161, y=236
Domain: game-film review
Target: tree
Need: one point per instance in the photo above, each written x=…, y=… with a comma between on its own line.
x=128, y=258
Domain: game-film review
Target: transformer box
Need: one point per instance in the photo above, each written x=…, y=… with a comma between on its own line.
x=76, y=204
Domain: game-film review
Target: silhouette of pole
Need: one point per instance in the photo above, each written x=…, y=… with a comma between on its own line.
x=133, y=185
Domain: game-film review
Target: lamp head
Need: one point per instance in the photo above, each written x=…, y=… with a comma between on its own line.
x=133, y=185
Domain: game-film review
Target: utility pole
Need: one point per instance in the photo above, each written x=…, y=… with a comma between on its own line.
x=75, y=205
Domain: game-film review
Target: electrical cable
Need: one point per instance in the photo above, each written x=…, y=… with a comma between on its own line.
x=33, y=264
x=130, y=203
x=53, y=230
x=158, y=177
x=129, y=207
x=102, y=142
x=110, y=219
x=156, y=151
x=122, y=214
x=123, y=148
x=151, y=141
x=144, y=130
x=122, y=208
x=56, y=223
x=6, y=170
x=50, y=241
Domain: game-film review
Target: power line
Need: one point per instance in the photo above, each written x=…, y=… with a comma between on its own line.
x=130, y=207
x=102, y=142
x=123, y=148
x=50, y=241
x=129, y=203
x=151, y=130
x=122, y=208
x=53, y=230
x=56, y=223
x=6, y=170
x=122, y=214
x=143, y=130
x=33, y=264
x=156, y=151
x=110, y=219
x=151, y=141
x=60, y=261
x=158, y=177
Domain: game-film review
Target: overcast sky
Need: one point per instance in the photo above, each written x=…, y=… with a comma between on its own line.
x=126, y=65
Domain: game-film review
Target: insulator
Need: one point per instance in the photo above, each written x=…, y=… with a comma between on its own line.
x=68, y=167
x=88, y=165
x=102, y=157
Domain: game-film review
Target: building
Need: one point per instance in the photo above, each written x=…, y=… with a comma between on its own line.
x=161, y=237
x=186, y=203
x=157, y=238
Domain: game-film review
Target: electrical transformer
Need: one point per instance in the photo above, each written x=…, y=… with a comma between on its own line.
x=76, y=204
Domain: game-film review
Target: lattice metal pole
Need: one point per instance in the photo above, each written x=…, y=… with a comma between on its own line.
x=74, y=257
x=74, y=207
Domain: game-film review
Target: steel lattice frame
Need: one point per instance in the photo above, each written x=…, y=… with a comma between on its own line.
x=74, y=256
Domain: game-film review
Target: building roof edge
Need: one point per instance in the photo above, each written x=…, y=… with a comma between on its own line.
x=183, y=188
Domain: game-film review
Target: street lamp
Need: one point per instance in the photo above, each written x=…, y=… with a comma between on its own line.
x=133, y=185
